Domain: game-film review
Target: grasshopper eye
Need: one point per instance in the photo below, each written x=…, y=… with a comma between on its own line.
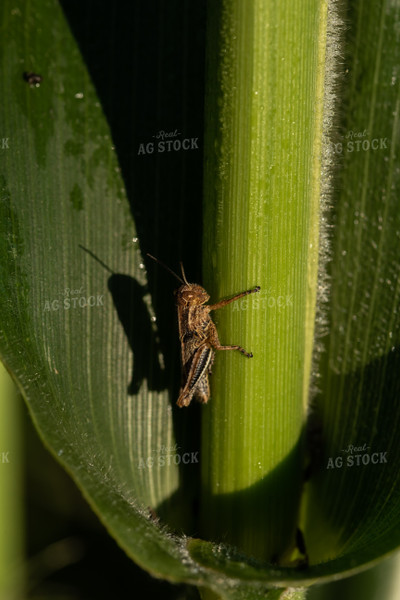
x=187, y=296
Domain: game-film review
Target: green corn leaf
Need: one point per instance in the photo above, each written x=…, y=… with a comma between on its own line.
x=353, y=497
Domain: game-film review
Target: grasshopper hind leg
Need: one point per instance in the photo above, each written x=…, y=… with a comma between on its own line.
x=197, y=385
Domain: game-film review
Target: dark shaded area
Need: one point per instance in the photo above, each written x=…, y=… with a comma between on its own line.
x=182, y=510
x=359, y=466
x=146, y=60
x=376, y=381
x=127, y=296
x=99, y=570
x=70, y=554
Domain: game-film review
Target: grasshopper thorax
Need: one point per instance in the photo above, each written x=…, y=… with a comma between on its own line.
x=191, y=294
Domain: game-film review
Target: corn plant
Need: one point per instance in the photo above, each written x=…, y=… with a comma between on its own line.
x=287, y=477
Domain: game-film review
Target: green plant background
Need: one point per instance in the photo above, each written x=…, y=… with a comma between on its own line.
x=79, y=203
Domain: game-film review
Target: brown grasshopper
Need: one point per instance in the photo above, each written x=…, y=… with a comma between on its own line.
x=198, y=336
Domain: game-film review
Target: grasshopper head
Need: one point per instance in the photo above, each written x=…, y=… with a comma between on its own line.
x=191, y=294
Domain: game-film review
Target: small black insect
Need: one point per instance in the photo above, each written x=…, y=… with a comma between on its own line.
x=34, y=79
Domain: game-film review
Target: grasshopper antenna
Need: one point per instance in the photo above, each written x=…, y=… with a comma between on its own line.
x=170, y=270
x=183, y=273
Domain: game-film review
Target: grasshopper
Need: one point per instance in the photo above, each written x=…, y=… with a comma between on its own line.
x=198, y=336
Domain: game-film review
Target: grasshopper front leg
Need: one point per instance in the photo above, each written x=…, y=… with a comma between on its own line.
x=223, y=303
